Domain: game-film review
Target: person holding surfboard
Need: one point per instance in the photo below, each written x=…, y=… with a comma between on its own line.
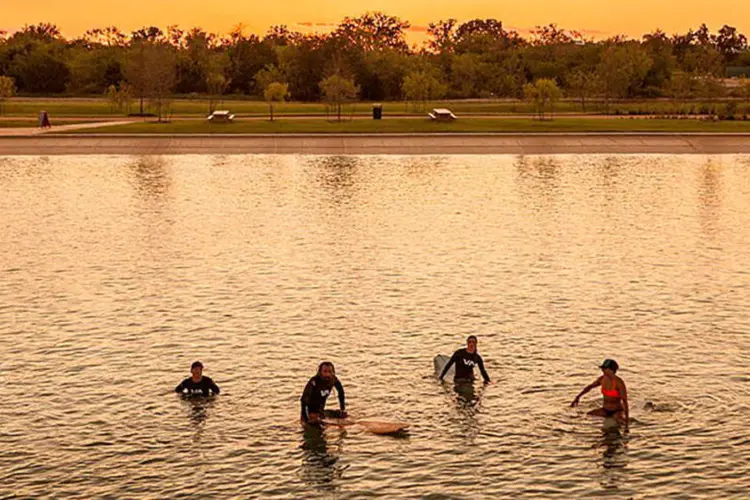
x=316, y=393
x=197, y=384
x=615, y=393
x=465, y=360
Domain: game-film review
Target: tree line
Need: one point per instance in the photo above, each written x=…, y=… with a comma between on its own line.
x=370, y=55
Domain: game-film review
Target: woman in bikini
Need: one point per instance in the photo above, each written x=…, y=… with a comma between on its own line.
x=614, y=391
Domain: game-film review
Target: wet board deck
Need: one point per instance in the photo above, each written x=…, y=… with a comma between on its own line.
x=376, y=427
x=440, y=361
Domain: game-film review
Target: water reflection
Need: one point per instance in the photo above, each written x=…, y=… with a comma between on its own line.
x=613, y=446
x=320, y=466
x=337, y=175
x=539, y=172
x=151, y=177
x=709, y=196
x=198, y=410
x=116, y=261
x=468, y=403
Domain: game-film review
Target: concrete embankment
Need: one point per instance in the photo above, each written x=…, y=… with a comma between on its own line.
x=419, y=144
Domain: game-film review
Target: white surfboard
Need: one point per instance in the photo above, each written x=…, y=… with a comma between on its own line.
x=440, y=361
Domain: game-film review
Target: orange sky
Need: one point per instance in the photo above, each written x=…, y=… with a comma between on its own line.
x=598, y=18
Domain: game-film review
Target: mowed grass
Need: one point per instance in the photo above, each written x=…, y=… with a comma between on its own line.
x=395, y=125
x=93, y=106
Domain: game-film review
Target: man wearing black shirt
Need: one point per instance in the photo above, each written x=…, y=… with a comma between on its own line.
x=465, y=361
x=316, y=393
x=197, y=384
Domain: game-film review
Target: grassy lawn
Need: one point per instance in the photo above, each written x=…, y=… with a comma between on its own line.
x=70, y=106
x=395, y=125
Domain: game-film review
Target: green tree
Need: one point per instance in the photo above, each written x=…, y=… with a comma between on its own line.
x=268, y=75
x=275, y=92
x=338, y=90
x=151, y=72
x=622, y=69
x=419, y=87
x=7, y=90
x=681, y=87
x=744, y=89
x=543, y=94
x=583, y=85
x=118, y=99
x=216, y=85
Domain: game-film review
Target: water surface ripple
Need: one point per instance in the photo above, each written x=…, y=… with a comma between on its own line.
x=116, y=272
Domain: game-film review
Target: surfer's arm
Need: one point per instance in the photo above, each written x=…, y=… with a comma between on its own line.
x=448, y=366
x=214, y=388
x=483, y=371
x=595, y=383
x=624, y=400
x=305, y=402
x=180, y=387
x=342, y=397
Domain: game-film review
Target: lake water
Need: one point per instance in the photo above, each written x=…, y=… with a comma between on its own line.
x=116, y=272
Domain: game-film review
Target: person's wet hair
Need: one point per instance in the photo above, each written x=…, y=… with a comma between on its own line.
x=196, y=364
x=324, y=364
x=472, y=337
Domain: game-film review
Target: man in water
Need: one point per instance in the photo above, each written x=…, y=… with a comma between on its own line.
x=316, y=393
x=614, y=392
x=465, y=361
x=197, y=384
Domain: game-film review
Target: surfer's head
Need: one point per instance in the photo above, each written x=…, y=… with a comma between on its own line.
x=197, y=369
x=327, y=371
x=471, y=343
x=609, y=364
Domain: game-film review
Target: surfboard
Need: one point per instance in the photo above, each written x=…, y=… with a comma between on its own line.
x=383, y=427
x=440, y=361
x=376, y=427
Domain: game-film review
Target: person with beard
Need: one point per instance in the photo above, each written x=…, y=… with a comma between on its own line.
x=316, y=393
x=465, y=360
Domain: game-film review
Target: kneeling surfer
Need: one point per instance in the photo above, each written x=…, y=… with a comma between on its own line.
x=615, y=393
x=317, y=390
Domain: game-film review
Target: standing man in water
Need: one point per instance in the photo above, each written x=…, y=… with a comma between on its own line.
x=197, y=384
x=316, y=393
x=465, y=360
x=615, y=393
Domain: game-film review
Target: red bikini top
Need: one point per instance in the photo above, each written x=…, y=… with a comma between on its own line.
x=611, y=393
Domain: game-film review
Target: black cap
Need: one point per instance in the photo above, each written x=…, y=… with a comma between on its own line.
x=611, y=364
x=196, y=364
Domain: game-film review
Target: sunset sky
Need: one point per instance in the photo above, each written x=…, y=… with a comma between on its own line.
x=597, y=18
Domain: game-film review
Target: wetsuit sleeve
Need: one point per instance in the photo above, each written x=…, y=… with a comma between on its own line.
x=180, y=387
x=340, y=392
x=214, y=387
x=305, y=401
x=448, y=365
x=482, y=370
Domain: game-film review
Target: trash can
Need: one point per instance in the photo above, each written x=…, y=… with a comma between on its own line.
x=377, y=111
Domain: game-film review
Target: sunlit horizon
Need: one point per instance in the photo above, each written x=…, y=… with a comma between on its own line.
x=594, y=19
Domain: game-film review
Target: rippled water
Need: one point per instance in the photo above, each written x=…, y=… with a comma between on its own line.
x=117, y=272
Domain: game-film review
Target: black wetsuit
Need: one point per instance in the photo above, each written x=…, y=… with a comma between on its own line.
x=205, y=387
x=316, y=393
x=465, y=363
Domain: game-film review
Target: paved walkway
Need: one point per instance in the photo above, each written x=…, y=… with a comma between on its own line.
x=411, y=144
x=30, y=131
